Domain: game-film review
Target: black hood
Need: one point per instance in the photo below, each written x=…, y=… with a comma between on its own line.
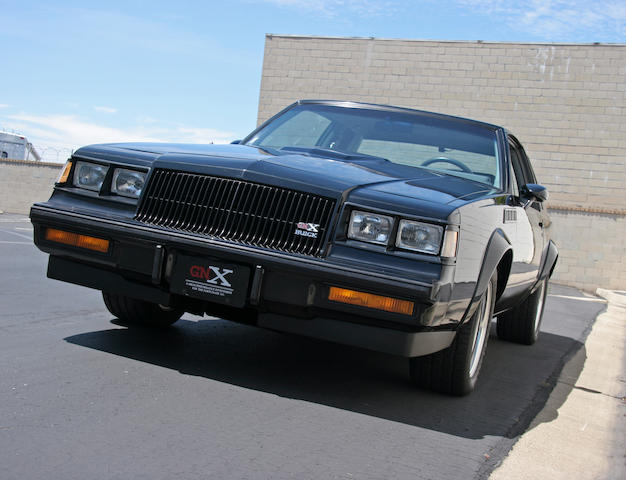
x=358, y=180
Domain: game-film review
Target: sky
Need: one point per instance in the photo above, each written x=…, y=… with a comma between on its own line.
x=77, y=72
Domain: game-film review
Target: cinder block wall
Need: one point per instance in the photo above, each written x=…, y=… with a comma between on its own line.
x=23, y=183
x=565, y=102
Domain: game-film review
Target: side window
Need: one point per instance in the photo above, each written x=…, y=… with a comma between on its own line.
x=514, y=185
x=528, y=169
x=518, y=170
x=4, y=155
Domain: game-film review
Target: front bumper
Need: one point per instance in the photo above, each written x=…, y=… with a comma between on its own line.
x=285, y=292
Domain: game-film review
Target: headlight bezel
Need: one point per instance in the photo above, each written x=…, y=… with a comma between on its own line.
x=106, y=190
x=393, y=246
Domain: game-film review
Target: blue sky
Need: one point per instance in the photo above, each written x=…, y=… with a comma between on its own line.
x=74, y=73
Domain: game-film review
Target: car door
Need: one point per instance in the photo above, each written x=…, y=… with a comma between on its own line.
x=527, y=235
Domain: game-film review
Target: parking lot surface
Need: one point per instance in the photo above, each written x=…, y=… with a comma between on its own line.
x=84, y=397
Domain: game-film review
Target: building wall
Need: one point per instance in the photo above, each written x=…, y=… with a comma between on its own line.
x=23, y=183
x=565, y=102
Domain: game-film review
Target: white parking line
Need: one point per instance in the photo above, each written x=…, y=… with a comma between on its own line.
x=27, y=237
x=582, y=299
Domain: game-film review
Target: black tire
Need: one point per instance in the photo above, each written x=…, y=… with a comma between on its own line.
x=455, y=369
x=139, y=312
x=521, y=325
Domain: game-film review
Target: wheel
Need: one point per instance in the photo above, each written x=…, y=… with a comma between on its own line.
x=521, y=325
x=139, y=312
x=455, y=369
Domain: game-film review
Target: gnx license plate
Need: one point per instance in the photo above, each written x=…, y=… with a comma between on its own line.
x=210, y=280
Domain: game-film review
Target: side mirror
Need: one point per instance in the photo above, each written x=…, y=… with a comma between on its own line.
x=535, y=192
x=235, y=142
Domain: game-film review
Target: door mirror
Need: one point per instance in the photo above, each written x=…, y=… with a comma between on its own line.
x=235, y=142
x=534, y=191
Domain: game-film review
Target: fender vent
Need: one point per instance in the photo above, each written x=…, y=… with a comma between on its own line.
x=510, y=215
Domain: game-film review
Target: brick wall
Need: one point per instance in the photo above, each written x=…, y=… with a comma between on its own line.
x=23, y=183
x=565, y=102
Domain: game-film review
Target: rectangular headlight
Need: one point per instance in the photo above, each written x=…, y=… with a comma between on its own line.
x=419, y=236
x=128, y=183
x=89, y=175
x=370, y=227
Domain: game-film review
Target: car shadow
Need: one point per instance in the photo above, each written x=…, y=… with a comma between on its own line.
x=514, y=385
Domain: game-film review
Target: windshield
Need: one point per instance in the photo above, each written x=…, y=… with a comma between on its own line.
x=448, y=146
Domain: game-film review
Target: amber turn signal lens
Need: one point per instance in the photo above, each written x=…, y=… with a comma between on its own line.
x=370, y=300
x=77, y=240
x=65, y=173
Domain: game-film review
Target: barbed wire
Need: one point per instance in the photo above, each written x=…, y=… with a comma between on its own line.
x=54, y=154
x=46, y=153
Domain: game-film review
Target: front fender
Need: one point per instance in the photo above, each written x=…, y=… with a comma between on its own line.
x=496, y=249
x=550, y=257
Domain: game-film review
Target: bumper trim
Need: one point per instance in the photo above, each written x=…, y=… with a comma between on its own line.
x=110, y=282
x=394, y=342
x=43, y=214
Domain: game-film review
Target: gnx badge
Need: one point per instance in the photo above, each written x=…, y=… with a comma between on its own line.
x=211, y=274
x=307, y=229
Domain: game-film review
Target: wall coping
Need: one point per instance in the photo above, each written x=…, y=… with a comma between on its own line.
x=423, y=40
x=593, y=210
x=9, y=161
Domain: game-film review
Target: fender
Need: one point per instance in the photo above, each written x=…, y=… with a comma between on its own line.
x=497, y=246
x=550, y=256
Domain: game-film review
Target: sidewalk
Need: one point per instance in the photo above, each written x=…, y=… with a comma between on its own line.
x=581, y=432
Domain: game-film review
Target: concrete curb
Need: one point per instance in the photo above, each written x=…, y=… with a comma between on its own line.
x=616, y=298
x=581, y=431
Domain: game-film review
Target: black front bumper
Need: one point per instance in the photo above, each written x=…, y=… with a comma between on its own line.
x=284, y=292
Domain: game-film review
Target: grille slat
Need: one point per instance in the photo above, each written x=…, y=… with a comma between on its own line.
x=235, y=210
x=194, y=205
x=278, y=208
x=246, y=230
x=156, y=204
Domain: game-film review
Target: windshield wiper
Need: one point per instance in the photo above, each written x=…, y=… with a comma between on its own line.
x=328, y=152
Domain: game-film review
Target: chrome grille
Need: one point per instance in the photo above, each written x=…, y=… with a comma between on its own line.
x=235, y=210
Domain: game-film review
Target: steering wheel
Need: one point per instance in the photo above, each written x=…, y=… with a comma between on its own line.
x=452, y=161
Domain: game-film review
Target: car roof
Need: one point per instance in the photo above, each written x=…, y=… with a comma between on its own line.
x=391, y=108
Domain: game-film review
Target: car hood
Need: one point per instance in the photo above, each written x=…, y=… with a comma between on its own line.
x=372, y=180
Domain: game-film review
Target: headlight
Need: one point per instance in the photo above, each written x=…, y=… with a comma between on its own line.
x=127, y=183
x=89, y=175
x=418, y=236
x=370, y=227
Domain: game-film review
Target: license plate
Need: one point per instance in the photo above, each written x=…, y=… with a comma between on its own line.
x=210, y=279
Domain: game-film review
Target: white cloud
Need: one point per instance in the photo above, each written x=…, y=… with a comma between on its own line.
x=105, y=109
x=552, y=19
x=4, y=105
x=147, y=119
x=51, y=134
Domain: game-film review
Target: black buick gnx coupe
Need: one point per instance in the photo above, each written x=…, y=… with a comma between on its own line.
x=391, y=229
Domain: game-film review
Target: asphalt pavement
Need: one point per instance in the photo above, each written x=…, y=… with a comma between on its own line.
x=84, y=397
